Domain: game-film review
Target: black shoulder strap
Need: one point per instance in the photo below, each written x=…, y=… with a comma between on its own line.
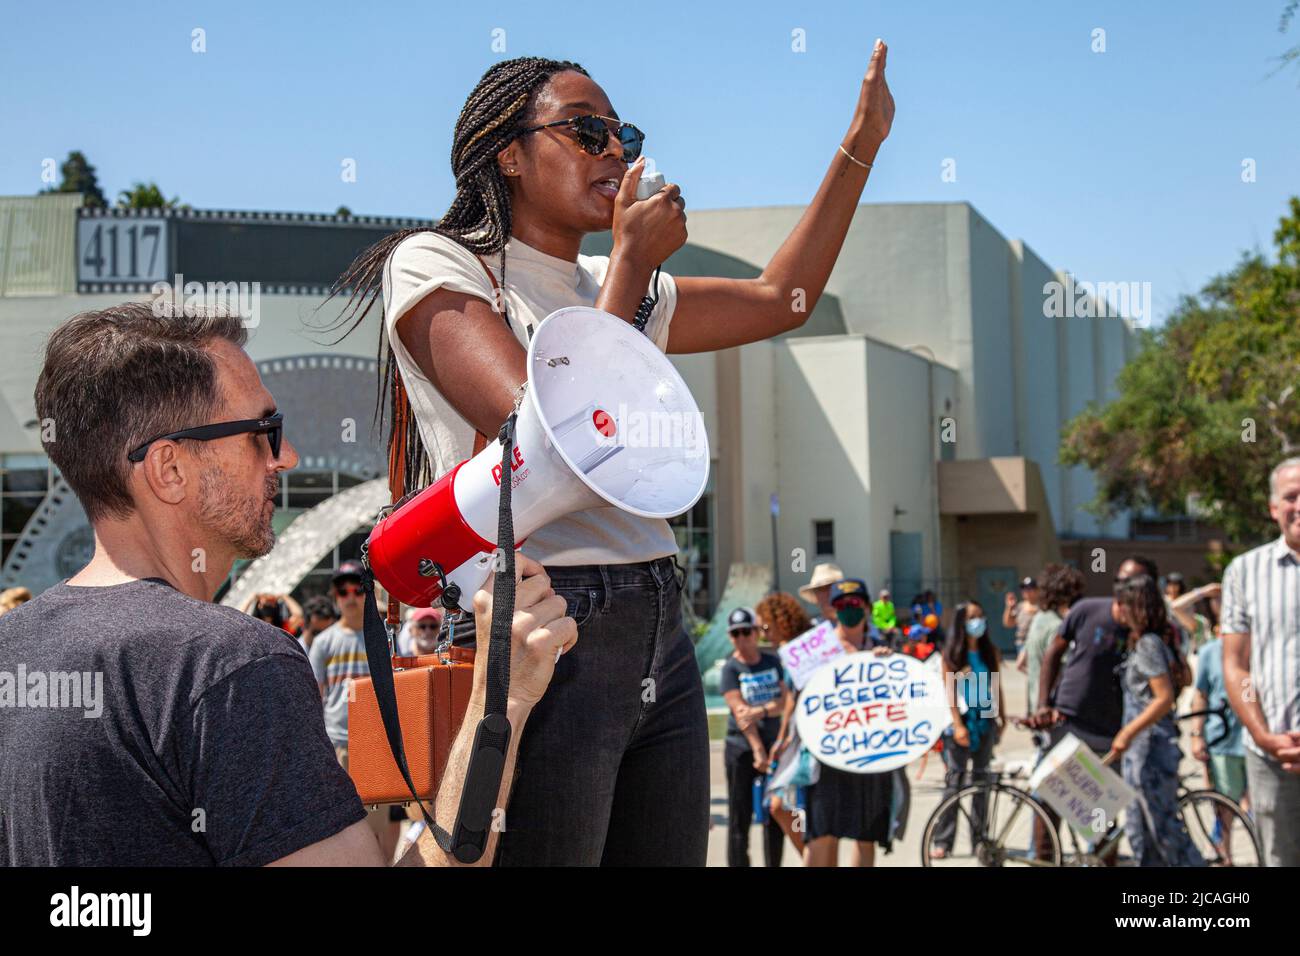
x=468, y=838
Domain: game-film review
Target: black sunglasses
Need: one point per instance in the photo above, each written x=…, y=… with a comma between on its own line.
x=742, y=632
x=592, y=132
x=271, y=426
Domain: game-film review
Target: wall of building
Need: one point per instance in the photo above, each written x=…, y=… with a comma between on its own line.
x=901, y=454
x=823, y=465
x=1038, y=392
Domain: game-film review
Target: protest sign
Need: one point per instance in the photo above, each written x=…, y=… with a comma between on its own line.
x=870, y=714
x=1074, y=782
x=804, y=654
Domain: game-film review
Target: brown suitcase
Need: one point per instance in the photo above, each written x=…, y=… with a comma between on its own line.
x=432, y=696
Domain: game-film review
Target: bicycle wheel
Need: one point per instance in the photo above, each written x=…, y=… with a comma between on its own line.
x=1002, y=832
x=1221, y=830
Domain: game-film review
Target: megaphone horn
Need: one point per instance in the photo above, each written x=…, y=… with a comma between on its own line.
x=605, y=420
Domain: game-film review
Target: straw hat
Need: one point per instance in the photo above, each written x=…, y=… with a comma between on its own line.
x=823, y=575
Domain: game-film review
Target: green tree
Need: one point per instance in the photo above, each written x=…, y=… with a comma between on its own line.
x=1211, y=401
x=145, y=196
x=79, y=177
x=1291, y=56
x=343, y=211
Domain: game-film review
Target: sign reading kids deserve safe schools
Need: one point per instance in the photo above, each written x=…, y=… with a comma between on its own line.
x=868, y=714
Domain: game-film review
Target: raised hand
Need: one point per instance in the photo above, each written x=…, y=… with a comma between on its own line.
x=874, y=116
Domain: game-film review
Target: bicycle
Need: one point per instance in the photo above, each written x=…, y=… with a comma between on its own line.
x=1006, y=824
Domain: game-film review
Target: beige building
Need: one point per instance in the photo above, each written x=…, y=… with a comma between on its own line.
x=908, y=430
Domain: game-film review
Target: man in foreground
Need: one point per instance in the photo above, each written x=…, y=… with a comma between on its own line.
x=1261, y=667
x=158, y=728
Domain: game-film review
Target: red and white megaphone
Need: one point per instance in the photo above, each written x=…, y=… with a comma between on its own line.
x=605, y=420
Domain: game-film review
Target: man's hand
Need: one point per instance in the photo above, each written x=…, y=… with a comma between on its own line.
x=1283, y=747
x=1043, y=719
x=539, y=629
x=1199, y=750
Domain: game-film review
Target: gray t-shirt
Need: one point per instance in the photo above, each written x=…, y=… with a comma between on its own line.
x=338, y=657
x=159, y=730
x=1149, y=658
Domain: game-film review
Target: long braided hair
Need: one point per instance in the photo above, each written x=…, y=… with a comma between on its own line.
x=478, y=218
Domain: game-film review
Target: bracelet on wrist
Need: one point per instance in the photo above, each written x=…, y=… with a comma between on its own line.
x=853, y=158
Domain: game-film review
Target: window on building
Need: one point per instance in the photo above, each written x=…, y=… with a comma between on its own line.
x=301, y=490
x=823, y=538
x=694, y=533
x=24, y=482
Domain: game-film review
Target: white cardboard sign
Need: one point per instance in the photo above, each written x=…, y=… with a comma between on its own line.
x=1074, y=782
x=804, y=654
x=866, y=713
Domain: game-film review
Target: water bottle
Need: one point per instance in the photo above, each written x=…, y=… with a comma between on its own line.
x=760, y=804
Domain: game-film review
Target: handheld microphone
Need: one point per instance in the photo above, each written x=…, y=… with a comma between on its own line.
x=651, y=182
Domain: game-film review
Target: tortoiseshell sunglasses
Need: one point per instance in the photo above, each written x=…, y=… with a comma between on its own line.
x=592, y=132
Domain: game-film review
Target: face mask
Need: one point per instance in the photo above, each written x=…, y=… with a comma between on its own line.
x=850, y=615
x=975, y=626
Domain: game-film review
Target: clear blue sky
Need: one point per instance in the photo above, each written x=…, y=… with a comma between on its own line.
x=1123, y=165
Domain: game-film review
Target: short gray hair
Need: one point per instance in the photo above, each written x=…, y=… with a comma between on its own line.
x=1293, y=462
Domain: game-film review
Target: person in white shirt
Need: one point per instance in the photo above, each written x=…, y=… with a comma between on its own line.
x=614, y=768
x=1261, y=667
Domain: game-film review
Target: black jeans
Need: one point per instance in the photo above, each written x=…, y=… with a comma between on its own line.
x=956, y=758
x=740, y=812
x=613, y=765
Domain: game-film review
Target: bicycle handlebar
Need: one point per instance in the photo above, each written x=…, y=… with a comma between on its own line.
x=1221, y=712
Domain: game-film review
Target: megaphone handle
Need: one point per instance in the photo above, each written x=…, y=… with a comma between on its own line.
x=491, y=746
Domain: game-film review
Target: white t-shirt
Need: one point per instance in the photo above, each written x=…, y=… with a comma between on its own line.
x=537, y=284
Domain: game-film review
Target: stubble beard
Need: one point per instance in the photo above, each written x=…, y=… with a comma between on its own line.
x=241, y=521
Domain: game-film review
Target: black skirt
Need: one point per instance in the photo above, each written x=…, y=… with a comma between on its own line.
x=852, y=806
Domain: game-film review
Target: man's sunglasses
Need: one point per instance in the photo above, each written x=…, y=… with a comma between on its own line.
x=742, y=632
x=592, y=133
x=348, y=590
x=272, y=427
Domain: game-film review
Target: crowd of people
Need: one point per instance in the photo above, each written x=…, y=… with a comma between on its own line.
x=812, y=805
x=1107, y=670
x=1110, y=670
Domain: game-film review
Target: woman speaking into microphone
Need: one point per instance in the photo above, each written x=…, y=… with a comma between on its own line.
x=613, y=764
